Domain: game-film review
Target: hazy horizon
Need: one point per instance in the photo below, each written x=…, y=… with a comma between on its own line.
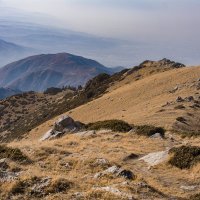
x=154, y=28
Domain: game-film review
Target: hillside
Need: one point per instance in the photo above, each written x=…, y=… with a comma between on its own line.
x=151, y=100
x=40, y=72
x=126, y=161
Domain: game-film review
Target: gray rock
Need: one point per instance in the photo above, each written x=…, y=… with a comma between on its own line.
x=6, y=176
x=51, y=134
x=66, y=123
x=117, y=171
x=155, y=158
x=189, y=188
x=115, y=191
x=156, y=136
x=63, y=125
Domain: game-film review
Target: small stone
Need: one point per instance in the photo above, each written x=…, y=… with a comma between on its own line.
x=190, y=188
x=156, y=136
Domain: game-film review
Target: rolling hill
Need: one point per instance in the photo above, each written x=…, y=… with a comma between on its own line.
x=50, y=70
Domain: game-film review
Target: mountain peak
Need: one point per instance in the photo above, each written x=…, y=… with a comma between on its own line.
x=42, y=71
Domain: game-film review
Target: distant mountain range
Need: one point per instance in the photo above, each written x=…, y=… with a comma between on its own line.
x=10, y=51
x=6, y=92
x=50, y=70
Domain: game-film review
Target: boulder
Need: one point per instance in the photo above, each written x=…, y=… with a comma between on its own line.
x=66, y=123
x=155, y=158
x=63, y=125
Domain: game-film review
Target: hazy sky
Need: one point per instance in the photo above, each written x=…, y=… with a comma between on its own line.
x=154, y=20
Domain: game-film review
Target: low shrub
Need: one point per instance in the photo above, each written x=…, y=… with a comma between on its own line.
x=114, y=125
x=188, y=133
x=185, y=157
x=39, y=187
x=149, y=130
x=195, y=197
x=59, y=185
x=14, y=154
x=52, y=91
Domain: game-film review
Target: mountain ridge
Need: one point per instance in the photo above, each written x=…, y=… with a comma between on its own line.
x=55, y=70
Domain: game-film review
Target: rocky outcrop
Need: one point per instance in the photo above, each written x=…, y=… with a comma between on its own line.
x=63, y=125
x=117, y=171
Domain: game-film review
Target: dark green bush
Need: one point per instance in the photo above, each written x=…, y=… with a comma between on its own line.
x=149, y=130
x=114, y=125
x=185, y=157
x=59, y=185
x=52, y=91
x=13, y=154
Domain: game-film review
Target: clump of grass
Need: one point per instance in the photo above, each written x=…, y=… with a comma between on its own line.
x=39, y=187
x=114, y=125
x=59, y=185
x=179, y=107
x=185, y=157
x=195, y=197
x=98, y=194
x=181, y=119
x=189, y=134
x=14, y=154
x=149, y=130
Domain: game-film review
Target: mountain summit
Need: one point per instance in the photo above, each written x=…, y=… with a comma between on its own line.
x=42, y=71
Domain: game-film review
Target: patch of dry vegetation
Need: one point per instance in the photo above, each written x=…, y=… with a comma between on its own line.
x=14, y=154
x=185, y=157
x=149, y=130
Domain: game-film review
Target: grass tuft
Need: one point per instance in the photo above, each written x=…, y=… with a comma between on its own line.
x=14, y=154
